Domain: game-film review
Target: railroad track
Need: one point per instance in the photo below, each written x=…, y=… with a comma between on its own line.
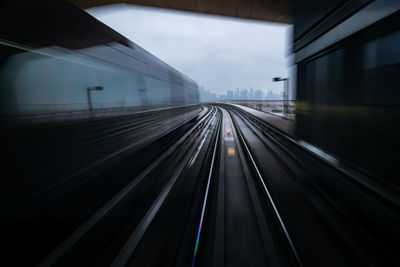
x=240, y=224
x=341, y=208
x=144, y=196
x=225, y=190
x=55, y=211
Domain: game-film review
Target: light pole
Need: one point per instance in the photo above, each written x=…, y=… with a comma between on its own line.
x=96, y=88
x=285, y=92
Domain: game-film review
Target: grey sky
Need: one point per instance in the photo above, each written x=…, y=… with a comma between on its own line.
x=218, y=53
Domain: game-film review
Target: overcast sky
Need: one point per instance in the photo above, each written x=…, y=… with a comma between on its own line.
x=218, y=53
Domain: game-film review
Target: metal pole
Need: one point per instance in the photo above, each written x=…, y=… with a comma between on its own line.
x=286, y=98
x=89, y=98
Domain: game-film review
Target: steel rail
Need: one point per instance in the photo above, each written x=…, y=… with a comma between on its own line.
x=92, y=166
x=59, y=251
x=206, y=195
x=385, y=192
x=363, y=232
x=134, y=239
x=267, y=191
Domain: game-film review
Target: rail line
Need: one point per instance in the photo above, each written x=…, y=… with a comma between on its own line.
x=332, y=195
x=224, y=189
x=242, y=210
x=267, y=192
x=113, y=203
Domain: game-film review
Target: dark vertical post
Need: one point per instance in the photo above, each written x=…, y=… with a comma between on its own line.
x=286, y=96
x=285, y=92
x=96, y=88
x=89, y=98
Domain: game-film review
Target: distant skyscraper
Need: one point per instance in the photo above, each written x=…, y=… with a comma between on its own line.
x=230, y=95
x=243, y=94
x=206, y=95
x=272, y=96
x=237, y=95
x=258, y=95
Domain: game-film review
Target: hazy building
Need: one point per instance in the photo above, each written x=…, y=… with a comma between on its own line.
x=206, y=95
x=273, y=96
x=229, y=95
x=251, y=94
x=237, y=94
x=243, y=94
x=258, y=95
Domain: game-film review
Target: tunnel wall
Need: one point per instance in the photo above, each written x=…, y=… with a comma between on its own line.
x=48, y=64
x=348, y=94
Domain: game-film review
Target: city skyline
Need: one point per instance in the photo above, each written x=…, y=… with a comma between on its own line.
x=206, y=95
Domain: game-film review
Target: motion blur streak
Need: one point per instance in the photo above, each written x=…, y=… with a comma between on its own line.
x=109, y=158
